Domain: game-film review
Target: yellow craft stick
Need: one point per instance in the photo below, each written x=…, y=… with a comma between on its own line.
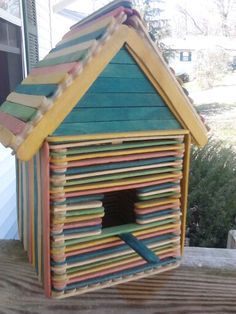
x=151, y=203
x=50, y=78
x=120, y=153
x=75, y=219
x=184, y=188
x=72, y=49
x=94, y=204
x=7, y=138
x=33, y=101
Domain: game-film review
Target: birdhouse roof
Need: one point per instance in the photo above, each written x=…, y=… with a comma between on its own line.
x=55, y=85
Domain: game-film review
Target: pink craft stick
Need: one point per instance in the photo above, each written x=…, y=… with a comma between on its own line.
x=11, y=123
x=86, y=223
x=46, y=218
x=64, y=67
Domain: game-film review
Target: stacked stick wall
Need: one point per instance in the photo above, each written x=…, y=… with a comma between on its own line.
x=111, y=211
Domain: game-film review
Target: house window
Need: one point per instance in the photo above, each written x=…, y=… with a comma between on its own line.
x=185, y=56
x=10, y=57
x=11, y=6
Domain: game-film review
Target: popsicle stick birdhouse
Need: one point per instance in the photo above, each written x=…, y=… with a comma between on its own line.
x=101, y=130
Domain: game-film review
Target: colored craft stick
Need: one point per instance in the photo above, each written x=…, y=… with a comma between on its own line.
x=13, y=124
x=65, y=67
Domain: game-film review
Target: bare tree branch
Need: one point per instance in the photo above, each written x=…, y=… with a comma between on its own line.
x=197, y=26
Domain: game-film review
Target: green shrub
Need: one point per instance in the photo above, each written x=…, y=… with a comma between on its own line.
x=212, y=195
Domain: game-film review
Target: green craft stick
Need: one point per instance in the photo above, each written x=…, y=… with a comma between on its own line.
x=160, y=195
x=84, y=212
x=91, y=149
x=75, y=56
x=21, y=112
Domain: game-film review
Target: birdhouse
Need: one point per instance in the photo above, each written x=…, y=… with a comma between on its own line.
x=101, y=130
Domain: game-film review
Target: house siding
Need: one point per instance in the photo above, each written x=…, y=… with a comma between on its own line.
x=8, y=224
x=43, y=12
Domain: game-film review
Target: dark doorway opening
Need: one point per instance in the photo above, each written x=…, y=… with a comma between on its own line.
x=119, y=208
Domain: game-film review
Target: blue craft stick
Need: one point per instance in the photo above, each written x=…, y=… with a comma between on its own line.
x=139, y=247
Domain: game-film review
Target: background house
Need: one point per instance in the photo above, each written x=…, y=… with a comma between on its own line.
x=185, y=51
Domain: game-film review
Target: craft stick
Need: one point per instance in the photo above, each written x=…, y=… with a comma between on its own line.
x=64, y=67
x=46, y=217
x=79, y=218
x=145, y=204
x=72, y=49
x=11, y=123
x=30, y=193
x=82, y=205
x=50, y=78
